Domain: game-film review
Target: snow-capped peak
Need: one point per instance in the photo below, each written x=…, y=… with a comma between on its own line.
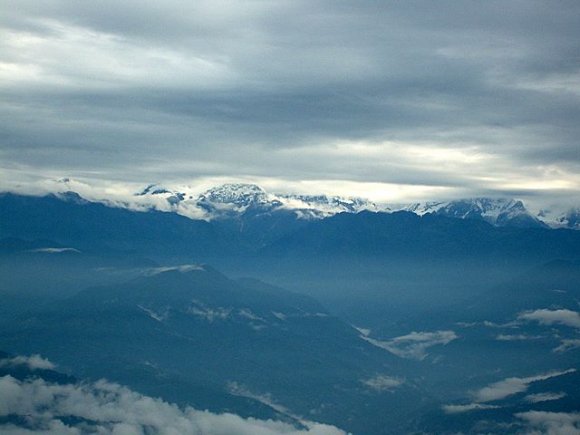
x=237, y=199
x=238, y=194
x=327, y=205
x=496, y=211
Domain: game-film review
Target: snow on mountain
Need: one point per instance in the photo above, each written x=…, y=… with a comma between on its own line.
x=236, y=200
x=327, y=205
x=561, y=219
x=232, y=200
x=496, y=211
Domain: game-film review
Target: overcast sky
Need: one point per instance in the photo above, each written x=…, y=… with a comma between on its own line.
x=398, y=100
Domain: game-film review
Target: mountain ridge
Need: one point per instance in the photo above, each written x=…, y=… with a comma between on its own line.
x=250, y=202
x=231, y=200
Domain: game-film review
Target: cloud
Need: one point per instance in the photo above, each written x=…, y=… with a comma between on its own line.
x=55, y=250
x=104, y=407
x=356, y=98
x=381, y=383
x=568, y=344
x=415, y=344
x=184, y=268
x=553, y=423
x=553, y=317
x=544, y=397
x=460, y=409
x=510, y=386
x=33, y=362
x=517, y=337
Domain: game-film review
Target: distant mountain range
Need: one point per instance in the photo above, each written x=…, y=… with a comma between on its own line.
x=234, y=200
x=231, y=200
x=420, y=306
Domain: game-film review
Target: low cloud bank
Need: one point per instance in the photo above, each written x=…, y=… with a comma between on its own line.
x=544, y=397
x=459, y=409
x=510, y=386
x=415, y=344
x=553, y=317
x=107, y=408
x=381, y=383
x=553, y=423
x=33, y=362
x=568, y=344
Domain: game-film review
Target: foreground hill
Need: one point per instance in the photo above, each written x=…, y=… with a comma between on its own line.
x=193, y=336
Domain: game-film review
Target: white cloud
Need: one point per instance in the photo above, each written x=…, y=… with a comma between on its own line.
x=33, y=362
x=552, y=423
x=510, y=386
x=489, y=324
x=382, y=383
x=109, y=61
x=516, y=337
x=183, y=268
x=415, y=344
x=55, y=250
x=553, y=317
x=544, y=397
x=568, y=344
x=459, y=409
x=111, y=408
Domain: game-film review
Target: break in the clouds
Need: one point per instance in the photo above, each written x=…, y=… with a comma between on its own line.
x=397, y=100
x=104, y=408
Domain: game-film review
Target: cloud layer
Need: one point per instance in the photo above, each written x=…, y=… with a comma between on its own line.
x=553, y=423
x=510, y=386
x=411, y=100
x=415, y=344
x=107, y=408
x=553, y=317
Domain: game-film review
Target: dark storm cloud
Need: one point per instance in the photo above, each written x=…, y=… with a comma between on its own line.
x=292, y=90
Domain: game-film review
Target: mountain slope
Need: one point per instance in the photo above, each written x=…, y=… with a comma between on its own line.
x=499, y=212
x=402, y=234
x=94, y=227
x=191, y=335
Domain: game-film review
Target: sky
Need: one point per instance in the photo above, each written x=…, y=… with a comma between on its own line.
x=390, y=100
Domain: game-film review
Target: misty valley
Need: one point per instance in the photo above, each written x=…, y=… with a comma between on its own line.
x=240, y=312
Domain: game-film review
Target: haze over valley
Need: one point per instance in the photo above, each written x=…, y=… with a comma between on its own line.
x=292, y=217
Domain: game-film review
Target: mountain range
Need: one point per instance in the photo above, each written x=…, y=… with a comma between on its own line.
x=443, y=319
x=232, y=200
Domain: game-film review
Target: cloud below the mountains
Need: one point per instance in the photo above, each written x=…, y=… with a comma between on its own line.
x=553, y=317
x=560, y=423
x=510, y=386
x=33, y=362
x=404, y=100
x=415, y=344
x=109, y=408
x=460, y=409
